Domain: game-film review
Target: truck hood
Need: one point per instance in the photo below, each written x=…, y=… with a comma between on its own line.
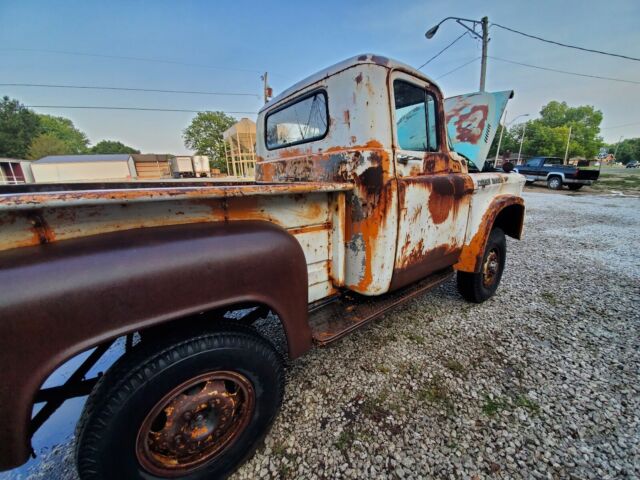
x=472, y=122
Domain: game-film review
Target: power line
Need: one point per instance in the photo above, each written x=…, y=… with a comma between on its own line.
x=636, y=82
x=139, y=59
x=441, y=51
x=566, y=45
x=620, y=126
x=142, y=109
x=458, y=68
x=42, y=85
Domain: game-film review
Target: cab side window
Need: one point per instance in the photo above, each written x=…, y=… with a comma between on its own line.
x=415, y=117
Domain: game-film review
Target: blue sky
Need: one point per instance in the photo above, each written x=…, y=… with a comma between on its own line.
x=231, y=43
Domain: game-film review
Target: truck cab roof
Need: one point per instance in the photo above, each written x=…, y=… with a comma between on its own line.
x=362, y=59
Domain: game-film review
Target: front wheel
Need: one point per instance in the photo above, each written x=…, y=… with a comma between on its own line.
x=574, y=186
x=554, y=183
x=480, y=286
x=190, y=408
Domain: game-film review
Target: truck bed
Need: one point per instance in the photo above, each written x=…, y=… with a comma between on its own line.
x=30, y=196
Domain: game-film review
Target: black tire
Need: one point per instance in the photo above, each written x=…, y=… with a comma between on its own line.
x=111, y=438
x=554, y=182
x=574, y=186
x=474, y=286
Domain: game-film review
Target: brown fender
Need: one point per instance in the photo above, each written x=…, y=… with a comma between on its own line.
x=506, y=212
x=63, y=298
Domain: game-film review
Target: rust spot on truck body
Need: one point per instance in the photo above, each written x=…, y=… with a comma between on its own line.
x=471, y=256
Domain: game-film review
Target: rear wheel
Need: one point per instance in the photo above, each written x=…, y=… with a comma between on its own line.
x=189, y=408
x=480, y=286
x=554, y=183
x=574, y=186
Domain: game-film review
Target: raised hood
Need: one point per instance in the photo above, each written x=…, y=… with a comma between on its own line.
x=472, y=122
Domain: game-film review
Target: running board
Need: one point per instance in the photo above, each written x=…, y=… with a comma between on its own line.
x=350, y=311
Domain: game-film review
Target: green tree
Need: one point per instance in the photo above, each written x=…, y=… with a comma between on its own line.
x=18, y=127
x=64, y=129
x=548, y=134
x=628, y=150
x=46, y=144
x=112, y=146
x=204, y=135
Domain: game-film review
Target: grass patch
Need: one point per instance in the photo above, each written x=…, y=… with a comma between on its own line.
x=345, y=440
x=416, y=338
x=550, y=298
x=527, y=404
x=493, y=405
x=455, y=366
x=383, y=368
x=436, y=392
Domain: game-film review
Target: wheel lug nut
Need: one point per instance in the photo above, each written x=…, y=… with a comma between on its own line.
x=178, y=439
x=187, y=416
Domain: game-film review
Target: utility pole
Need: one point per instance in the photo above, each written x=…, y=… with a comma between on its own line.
x=524, y=129
x=485, y=46
x=566, y=152
x=267, y=91
x=470, y=25
x=615, y=152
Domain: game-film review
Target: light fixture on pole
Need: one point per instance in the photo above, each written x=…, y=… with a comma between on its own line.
x=524, y=129
x=505, y=124
x=484, y=25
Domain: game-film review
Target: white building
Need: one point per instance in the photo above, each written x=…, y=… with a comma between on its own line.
x=84, y=168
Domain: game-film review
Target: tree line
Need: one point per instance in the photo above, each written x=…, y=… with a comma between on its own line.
x=27, y=134
x=548, y=134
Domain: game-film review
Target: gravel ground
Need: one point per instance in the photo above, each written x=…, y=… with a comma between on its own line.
x=541, y=381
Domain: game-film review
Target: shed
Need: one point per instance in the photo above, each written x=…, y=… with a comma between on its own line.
x=151, y=166
x=79, y=168
x=14, y=171
x=239, y=147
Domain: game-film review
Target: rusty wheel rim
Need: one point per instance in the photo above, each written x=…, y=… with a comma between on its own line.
x=194, y=423
x=491, y=268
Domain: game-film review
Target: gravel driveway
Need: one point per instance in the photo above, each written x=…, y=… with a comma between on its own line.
x=541, y=381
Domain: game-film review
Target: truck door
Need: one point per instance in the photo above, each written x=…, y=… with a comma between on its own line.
x=433, y=194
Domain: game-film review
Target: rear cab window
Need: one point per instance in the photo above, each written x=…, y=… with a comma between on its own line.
x=300, y=121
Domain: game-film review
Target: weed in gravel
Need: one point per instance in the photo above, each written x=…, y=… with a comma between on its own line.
x=382, y=368
x=416, y=338
x=528, y=404
x=550, y=298
x=348, y=436
x=345, y=439
x=455, y=366
x=409, y=369
x=436, y=392
x=493, y=405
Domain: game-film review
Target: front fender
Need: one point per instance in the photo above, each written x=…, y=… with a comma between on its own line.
x=60, y=299
x=505, y=211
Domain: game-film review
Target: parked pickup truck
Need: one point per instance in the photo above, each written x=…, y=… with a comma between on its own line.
x=556, y=174
x=360, y=203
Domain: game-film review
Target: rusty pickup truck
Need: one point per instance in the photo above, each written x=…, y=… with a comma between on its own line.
x=365, y=196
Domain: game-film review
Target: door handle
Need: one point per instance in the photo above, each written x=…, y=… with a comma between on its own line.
x=404, y=159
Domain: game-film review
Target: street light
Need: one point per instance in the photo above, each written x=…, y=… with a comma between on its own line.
x=524, y=129
x=504, y=125
x=484, y=23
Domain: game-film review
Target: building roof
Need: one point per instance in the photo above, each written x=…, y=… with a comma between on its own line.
x=118, y=157
x=150, y=157
x=365, y=58
x=12, y=160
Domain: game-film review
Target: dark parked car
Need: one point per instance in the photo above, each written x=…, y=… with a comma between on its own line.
x=633, y=165
x=552, y=170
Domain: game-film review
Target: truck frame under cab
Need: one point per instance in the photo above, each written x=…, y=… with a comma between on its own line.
x=367, y=193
